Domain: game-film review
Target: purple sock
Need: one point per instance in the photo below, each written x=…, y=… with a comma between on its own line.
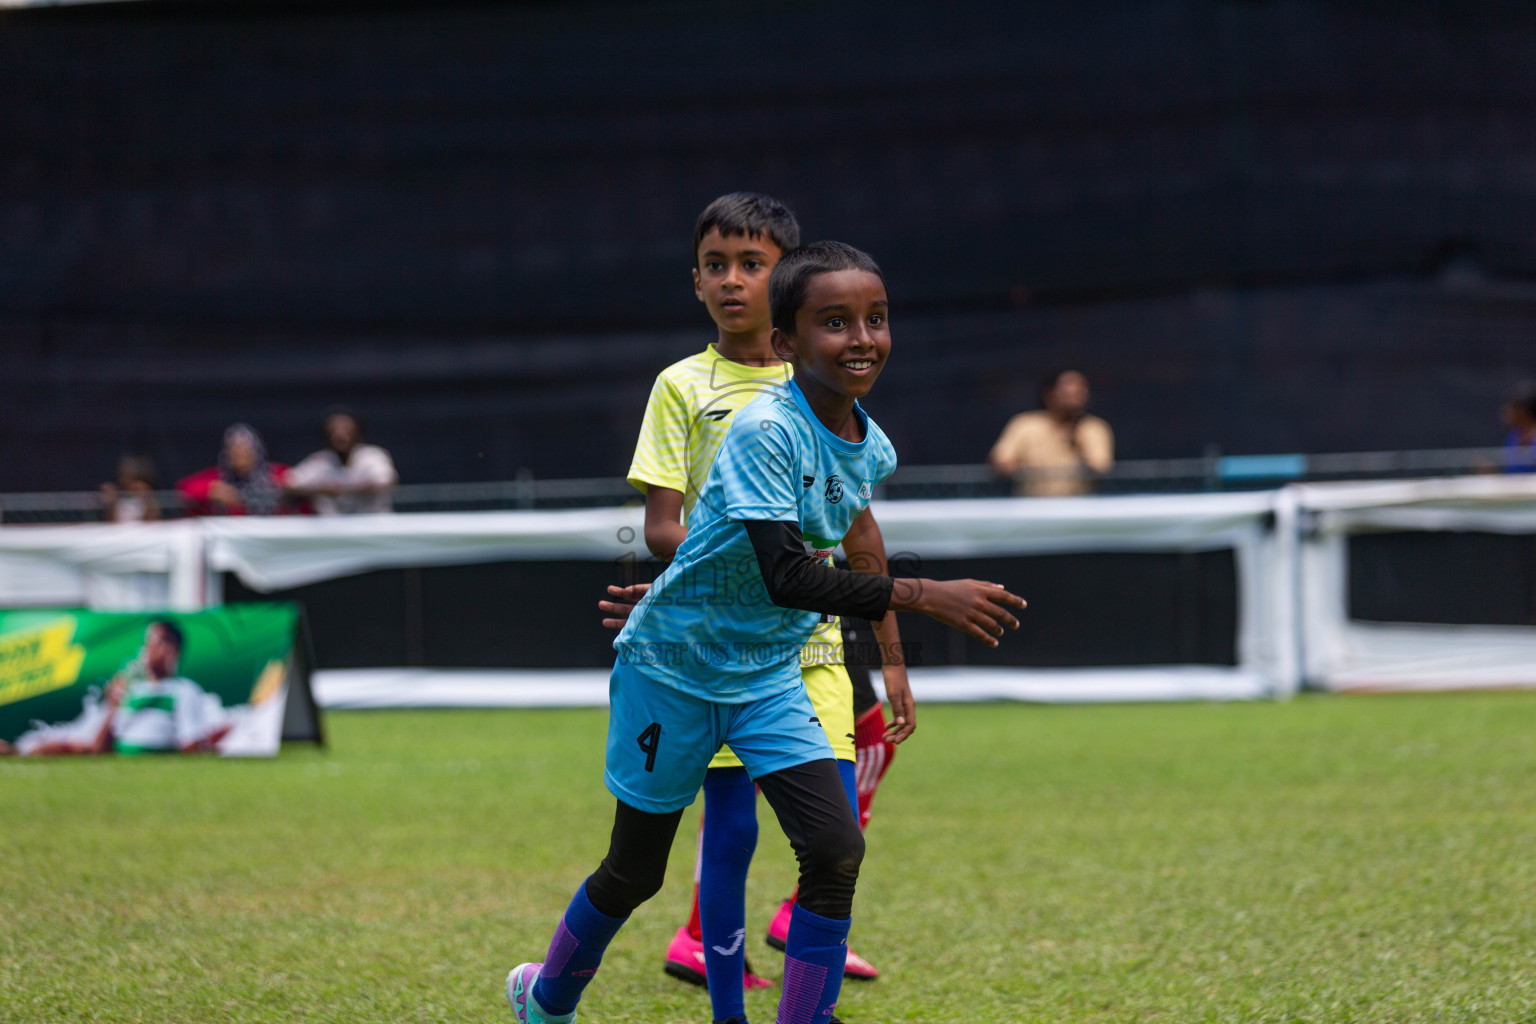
x=814, y=957
x=574, y=954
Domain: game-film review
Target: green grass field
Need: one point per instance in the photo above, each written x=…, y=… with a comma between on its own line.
x=1343, y=859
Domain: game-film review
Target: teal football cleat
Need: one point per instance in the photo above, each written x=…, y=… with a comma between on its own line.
x=520, y=997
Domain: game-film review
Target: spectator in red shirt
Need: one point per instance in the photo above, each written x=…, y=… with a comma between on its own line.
x=243, y=483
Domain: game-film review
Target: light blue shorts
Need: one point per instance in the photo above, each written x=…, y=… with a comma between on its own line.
x=660, y=740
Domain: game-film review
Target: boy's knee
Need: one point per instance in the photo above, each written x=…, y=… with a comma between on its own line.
x=636, y=863
x=829, y=871
x=618, y=892
x=843, y=853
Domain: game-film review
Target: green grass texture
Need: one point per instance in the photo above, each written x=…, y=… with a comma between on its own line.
x=1328, y=859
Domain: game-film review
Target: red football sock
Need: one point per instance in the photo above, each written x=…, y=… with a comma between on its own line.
x=871, y=757
x=695, y=928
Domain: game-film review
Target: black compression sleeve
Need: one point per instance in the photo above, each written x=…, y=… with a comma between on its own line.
x=795, y=579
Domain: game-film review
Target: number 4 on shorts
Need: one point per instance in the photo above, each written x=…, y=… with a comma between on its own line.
x=649, y=740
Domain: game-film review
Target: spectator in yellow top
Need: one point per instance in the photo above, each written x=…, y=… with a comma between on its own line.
x=1059, y=448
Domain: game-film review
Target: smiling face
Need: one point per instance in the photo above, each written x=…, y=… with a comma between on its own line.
x=732, y=279
x=842, y=335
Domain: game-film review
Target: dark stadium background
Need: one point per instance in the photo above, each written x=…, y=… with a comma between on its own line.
x=1266, y=226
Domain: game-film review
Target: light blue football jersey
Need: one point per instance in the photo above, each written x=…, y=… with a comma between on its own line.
x=707, y=626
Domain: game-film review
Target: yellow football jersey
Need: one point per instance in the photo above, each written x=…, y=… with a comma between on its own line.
x=688, y=416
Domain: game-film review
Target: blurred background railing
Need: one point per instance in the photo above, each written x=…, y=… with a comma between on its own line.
x=1213, y=471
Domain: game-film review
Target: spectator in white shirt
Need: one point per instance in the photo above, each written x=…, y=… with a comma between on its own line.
x=347, y=477
x=132, y=498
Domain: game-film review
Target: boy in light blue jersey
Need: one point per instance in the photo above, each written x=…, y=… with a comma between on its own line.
x=784, y=467
x=711, y=654
x=736, y=241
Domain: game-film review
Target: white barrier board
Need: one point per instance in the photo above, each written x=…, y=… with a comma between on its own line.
x=1290, y=547
x=365, y=688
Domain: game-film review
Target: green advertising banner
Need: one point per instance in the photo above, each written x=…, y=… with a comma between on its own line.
x=218, y=681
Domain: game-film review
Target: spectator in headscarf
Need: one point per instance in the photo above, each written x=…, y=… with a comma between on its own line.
x=243, y=483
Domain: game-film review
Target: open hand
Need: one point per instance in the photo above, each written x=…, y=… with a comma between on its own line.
x=622, y=602
x=975, y=607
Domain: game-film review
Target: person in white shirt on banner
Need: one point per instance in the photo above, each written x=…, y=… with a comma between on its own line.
x=347, y=477
x=147, y=708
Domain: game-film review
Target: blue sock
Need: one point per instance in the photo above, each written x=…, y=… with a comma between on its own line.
x=730, y=836
x=813, y=967
x=574, y=954
x=849, y=773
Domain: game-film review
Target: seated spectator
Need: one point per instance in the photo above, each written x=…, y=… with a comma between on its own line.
x=132, y=498
x=346, y=477
x=243, y=483
x=1056, y=449
x=1520, y=418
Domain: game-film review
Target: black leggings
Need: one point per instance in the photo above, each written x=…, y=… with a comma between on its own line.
x=812, y=808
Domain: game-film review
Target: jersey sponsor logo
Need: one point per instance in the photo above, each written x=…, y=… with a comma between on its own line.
x=819, y=548
x=864, y=491
x=834, y=489
x=717, y=414
x=806, y=481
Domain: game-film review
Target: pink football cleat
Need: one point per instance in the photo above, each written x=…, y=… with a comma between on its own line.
x=685, y=962
x=859, y=968
x=855, y=966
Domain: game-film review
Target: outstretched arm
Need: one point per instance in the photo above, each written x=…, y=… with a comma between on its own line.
x=975, y=607
x=865, y=547
x=795, y=579
x=100, y=741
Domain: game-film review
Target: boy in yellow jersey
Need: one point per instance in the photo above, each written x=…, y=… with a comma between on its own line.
x=737, y=240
